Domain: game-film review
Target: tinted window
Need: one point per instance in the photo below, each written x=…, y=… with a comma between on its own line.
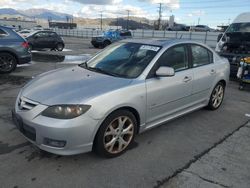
x=200, y=56
x=2, y=33
x=41, y=34
x=175, y=57
x=125, y=34
x=52, y=34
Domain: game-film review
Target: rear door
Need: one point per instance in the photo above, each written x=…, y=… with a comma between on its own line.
x=204, y=71
x=169, y=95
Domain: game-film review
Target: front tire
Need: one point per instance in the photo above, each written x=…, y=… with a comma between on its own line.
x=216, y=97
x=116, y=133
x=7, y=63
x=59, y=47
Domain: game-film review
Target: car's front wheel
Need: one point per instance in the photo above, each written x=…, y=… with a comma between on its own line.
x=7, y=62
x=116, y=133
x=217, y=96
x=59, y=47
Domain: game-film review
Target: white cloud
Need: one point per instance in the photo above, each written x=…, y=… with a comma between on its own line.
x=98, y=2
x=11, y=3
x=110, y=11
x=172, y=4
x=197, y=13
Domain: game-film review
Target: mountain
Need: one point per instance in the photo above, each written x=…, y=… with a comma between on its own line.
x=9, y=11
x=47, y=14
x=36, y=13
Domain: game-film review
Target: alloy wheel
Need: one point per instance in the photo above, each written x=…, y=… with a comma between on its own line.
x=7, y=62
x=217, y=96
x=118, y=134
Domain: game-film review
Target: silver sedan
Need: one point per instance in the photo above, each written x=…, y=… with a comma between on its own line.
x=129, y=87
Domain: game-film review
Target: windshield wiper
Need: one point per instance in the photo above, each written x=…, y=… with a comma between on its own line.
x=96, y=69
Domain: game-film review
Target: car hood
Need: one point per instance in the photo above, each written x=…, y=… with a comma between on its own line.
x=70, y=86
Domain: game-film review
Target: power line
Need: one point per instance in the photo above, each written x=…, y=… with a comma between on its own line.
x=101, y=20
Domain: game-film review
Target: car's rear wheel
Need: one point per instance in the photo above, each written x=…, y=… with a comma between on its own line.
x=217, y=96
x=106, y=43
x=59, y=47
x=96, y=45
x=7, y=62
x=116, y=133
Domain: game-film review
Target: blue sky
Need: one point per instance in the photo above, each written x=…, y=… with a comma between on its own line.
x=210, y=12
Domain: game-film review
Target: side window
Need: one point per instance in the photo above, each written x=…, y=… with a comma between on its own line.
x=200, y=56
x=3, y=33
x=175, y=57
x=52, y=34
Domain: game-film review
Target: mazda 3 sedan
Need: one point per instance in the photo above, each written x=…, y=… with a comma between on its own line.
x=129, y=87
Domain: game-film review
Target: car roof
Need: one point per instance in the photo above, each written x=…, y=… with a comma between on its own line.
x=160, y=42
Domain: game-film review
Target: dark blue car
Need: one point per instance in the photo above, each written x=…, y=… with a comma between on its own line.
x=109, y=37
x=14, y=50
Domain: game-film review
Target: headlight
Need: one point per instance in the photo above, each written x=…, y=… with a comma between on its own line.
x=65, y=111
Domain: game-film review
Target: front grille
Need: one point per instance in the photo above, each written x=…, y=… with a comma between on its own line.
x=26, y=104
x=29, y=132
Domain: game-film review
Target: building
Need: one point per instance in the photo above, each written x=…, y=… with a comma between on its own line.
x=17, y=23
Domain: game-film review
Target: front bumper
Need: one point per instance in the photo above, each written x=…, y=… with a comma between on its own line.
x=78, y=133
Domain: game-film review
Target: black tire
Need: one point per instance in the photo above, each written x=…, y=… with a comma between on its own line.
x=96, y=45
x=8, y=62
x=213, y=105
x=100, y=139
x=60, y=46
x=106, y=43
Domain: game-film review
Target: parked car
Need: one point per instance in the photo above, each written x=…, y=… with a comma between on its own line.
x=109, y=37
x=14, y=50
x=25, y=33
x=201, y=28
x=234, y=43
x=178, y=27
x=129, y=87
x=45, y=39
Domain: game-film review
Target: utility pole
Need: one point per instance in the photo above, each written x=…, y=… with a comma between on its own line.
x=117, y=21
x=159, y=20
x=101, y=20
x=199, y=21
x=128, y=19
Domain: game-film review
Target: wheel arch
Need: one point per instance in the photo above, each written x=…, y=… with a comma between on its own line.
x=12, y=53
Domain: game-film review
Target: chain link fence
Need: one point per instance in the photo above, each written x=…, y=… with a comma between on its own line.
x=209, y=38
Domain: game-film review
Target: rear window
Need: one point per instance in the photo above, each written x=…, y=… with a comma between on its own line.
x=3, y=33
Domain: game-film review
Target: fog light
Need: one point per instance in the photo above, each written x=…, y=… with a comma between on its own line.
x=54, y=143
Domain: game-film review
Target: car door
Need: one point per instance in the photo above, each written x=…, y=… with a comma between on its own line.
x=52, y=40
x=169, y=95
x=204, y=71
x=39, y=40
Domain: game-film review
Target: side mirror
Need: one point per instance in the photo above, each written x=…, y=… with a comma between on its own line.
x=165, y=72
x=219, y=37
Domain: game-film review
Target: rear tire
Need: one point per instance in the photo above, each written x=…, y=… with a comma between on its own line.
x=106, y=43
x=216, y=97
x=59, y=47
x=8, y=62
x=115, y=134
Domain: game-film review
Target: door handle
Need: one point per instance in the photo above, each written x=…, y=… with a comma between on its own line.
x=187, y=79
x=212, y=71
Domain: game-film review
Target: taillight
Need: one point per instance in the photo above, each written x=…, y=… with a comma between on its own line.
x=25, y=44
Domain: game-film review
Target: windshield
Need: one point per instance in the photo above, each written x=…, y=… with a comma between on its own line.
x=239, y=27
x=126, y=60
